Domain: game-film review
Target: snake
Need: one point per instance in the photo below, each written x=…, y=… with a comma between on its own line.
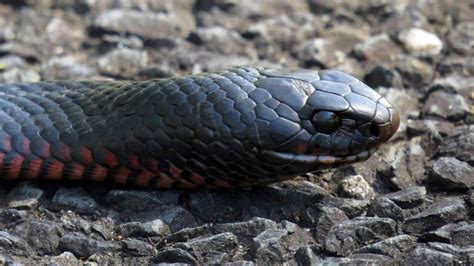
x=238, y=127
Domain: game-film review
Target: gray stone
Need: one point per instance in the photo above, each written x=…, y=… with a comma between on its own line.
x=103, y=227
x=408, y=198
x=25, y=196
x=457, y=65
x=394, y=247
x=16, y=75
x=445, y=234
x=202, y=246
x=327, y=218
x=124, y=62
x=376, y=49
x=11, y=61
x=177, y=218
x=247, y=230
x=75, y=199
x=65, y=258
x=408, y=165
x=454, y=83
x=385, y=208
x=174, y=255
x=463, y=235
x=441, y=212
x=461, y=37
x=11, y=217
x=307, y=255
x=23, y=50
x=267, y=247
x=357, y=259
x=417, y=127
x=240, y=263
x=84, y=247
x=66, y=67
x=383, y=76
x=451, y=174
x=356, y=187
x=189, y=233
x=442, y=234
x=297, y=236
x=133, y=42
x=446, y=105
x=351, y=207
x=418, y=41
x=401, y=204
x=275, y=34
x=345, y=237
x=139, y=200
x=14, y=245
x=66, y=31
x=423, y=255
x=148, y=25
x=202, y=60
x=344, y=37
x=288, y=201
x=42, y=236
x=219, y=39
x=320, y=52
x=136, y=247
x=464, y=254
x=415, y=73
x=137, y=229
x=73, y=222
x=460, y=144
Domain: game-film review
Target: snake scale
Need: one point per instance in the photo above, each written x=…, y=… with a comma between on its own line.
x=233, y=128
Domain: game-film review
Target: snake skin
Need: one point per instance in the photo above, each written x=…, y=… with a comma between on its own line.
x=235, y=128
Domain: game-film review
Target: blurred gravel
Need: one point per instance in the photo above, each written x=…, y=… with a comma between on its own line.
x=410, y=203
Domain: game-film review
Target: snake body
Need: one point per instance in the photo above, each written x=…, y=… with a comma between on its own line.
x=234, y=128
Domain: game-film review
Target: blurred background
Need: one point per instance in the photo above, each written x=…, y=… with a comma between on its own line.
x=419, y=54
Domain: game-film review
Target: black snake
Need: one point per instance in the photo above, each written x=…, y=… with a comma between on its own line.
x=234, y=128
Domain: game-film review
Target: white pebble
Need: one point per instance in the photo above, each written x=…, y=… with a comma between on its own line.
x=419, y=41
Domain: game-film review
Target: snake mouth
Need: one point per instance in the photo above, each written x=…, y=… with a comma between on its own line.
x=303, y=163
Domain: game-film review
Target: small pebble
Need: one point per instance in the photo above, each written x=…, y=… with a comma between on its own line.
x=420, y=41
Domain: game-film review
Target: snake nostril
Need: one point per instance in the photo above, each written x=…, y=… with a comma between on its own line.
x=374, y=130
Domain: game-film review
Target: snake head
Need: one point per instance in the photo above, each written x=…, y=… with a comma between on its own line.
x=318, y=120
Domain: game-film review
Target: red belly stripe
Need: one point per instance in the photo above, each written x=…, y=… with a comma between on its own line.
x=99, y=173
x=175, y=172
x=144, y=178
x=76, y=172
x=185, y=184
x=14, y=167
x=134, y=162
x=165, y=181
x=222, y=183
x=198, y=179
x=34, y=168
x=152, y=165
x=86, y=155
x=55, y=170
x=110, y=158
x=122, y=175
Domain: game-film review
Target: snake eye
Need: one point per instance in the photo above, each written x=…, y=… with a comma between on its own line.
x=325, y=121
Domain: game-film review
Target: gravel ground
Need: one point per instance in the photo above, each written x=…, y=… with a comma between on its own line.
x=410, y=203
